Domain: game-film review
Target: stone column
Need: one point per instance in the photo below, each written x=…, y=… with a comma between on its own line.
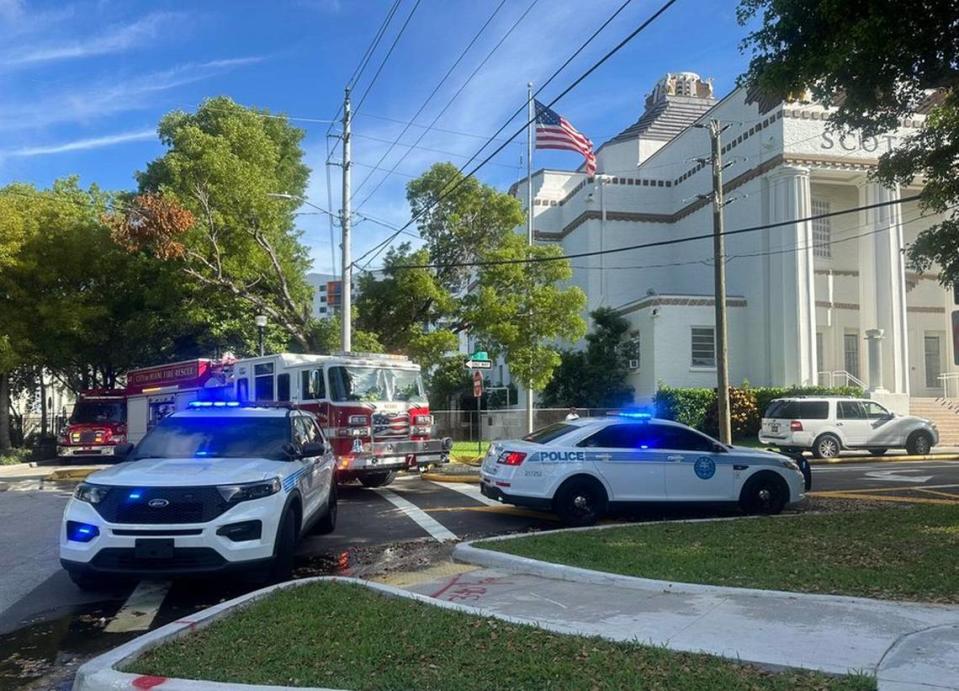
x=790, y=280
x=874, y=349
x=882, y=281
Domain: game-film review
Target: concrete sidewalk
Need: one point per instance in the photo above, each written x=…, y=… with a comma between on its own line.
x=907, y=646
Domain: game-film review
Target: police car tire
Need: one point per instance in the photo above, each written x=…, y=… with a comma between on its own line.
x=568, y=509
x=752, y=500
x=820, y=445
x=378, y=479
x=327, y=524
x=282, y=567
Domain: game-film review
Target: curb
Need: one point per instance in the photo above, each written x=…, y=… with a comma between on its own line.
x=70, y=474
x=467, y=553
x=100, y=673
x=884, y=459
x=462, y=477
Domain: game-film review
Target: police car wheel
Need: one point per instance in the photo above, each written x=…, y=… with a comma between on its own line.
x=378, y=479
x=580, y=502
x=765, y=493
x=327, y=524
x=282, y=567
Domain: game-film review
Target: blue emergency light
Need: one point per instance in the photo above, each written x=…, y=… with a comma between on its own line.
x=635, y=414
x=81, y=532
x=214, y=404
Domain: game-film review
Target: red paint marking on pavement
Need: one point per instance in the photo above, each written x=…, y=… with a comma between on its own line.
x=468, y=592
x=148, y=682
x=446, y=587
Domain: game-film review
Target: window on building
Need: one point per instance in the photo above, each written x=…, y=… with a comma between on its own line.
x=703, y=346
x=821, y=229
x=820, y=361
x=322, y=310
x=263, y=381
x=850, y=347
x=634, y=360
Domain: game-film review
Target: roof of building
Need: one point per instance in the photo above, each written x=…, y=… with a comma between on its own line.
x=676, y=102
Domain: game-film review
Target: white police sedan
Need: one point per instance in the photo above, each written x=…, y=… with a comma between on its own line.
x=583, y=468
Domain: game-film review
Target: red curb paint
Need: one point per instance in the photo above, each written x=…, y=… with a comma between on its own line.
x=446, y=587
x=147, y=682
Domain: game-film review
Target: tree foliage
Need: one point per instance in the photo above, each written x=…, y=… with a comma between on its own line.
x=206, y=206
x=596, y=377
x=425, y=299
x=875, y=63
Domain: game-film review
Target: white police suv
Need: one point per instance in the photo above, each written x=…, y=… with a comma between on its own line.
x=581, y=469
x=216, y=487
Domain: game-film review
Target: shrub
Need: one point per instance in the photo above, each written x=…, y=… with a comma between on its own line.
x=687, y=406
x=744, y=415
x=12, y=456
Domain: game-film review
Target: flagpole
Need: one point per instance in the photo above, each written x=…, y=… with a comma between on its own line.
x=530, y=117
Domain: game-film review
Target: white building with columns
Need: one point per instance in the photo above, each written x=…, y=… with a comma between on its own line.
x=801, y=296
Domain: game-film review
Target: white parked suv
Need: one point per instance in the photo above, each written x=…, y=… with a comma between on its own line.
x=827, y=425
x=217, y=487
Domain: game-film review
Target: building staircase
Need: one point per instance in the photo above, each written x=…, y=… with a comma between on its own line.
x=944, y=412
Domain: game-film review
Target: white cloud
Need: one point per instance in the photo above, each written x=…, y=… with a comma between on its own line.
x=115, y=39
x=109, y=97
x=81, y=144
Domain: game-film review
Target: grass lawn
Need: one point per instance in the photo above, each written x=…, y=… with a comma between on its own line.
x=893, y=553
x=348, y=637
x=469, y=449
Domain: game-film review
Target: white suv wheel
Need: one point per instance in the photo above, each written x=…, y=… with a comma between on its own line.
x=827, y=446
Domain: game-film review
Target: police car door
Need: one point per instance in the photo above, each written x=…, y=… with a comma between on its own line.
x=696, y=468
x=633, y=473
x=304, y=431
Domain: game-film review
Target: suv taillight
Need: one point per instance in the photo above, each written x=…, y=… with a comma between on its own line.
x=795, y=426
x=512, y=458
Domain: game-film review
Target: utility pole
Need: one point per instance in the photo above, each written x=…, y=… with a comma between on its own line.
x=719, y=273
x=346, y=289
x=530, y=116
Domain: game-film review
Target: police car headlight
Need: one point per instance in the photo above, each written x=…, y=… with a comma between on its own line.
x=248, y=491
x=91, y=494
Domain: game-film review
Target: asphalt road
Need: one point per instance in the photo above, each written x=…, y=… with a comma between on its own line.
x=46, y=623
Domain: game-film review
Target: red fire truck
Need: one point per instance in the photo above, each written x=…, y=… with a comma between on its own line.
x=372, y=408
x=97, y=425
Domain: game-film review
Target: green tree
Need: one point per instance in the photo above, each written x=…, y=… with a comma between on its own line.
x=875, y=63
x=206, y=206
x=425, y=298
x=596, y=376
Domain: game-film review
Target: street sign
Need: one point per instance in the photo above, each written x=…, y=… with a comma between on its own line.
x=479, y=364
x=477, y=385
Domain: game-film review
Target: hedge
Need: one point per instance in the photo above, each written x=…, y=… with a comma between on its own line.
x=697, y=407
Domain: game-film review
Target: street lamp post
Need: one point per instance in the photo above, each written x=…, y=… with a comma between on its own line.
x=260, y=321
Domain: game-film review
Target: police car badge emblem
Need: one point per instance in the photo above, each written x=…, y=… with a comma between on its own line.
x=705, y=467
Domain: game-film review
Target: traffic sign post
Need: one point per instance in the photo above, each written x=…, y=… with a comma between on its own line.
x=478, y=395
x=479, y=360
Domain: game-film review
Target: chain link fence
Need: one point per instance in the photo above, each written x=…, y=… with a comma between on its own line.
x=461, y=425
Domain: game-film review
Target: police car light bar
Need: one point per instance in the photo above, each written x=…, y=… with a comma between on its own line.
x=213, y=404
x=635, y=414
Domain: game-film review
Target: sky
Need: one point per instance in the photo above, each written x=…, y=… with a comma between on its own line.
x=84, y=84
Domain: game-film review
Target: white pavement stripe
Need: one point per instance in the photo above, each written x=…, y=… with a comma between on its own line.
x=888, y=466
x=418, y=516
x=470, y=490
x=140, y=608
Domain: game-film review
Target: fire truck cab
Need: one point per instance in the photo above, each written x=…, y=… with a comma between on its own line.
x=372, y=408
x=98, y=423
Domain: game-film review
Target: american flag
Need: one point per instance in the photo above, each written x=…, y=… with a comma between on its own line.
x=553, y=131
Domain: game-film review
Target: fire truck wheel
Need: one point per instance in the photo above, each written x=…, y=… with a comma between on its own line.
x=378, y=479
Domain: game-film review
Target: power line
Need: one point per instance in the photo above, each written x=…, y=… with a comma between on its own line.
x=456, y=95
x=448, y=190
x=436, y=88
x=427, y=148
x=386, y=58
x=660, y=243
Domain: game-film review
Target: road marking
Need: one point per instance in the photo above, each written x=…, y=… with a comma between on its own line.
x=500, y=509
x=868, y=466
x=140, y=608
x=894, y=476
x=417, y=515
x=938, y=494
x=471, y=491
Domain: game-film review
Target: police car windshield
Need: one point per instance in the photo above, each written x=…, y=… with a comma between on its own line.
x=547, y=434
x=375, y=384
x=216, y=437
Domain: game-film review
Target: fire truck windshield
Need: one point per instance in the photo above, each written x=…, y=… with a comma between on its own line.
x=352, y=383
x=87, y=411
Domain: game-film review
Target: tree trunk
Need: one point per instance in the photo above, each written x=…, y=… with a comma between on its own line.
x=4, y=411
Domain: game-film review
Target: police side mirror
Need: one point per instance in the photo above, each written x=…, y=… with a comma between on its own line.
x=313, y=448
x=122, y=452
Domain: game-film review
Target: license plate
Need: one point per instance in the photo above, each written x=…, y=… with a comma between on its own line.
x=153, y=549
x=774, y=428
